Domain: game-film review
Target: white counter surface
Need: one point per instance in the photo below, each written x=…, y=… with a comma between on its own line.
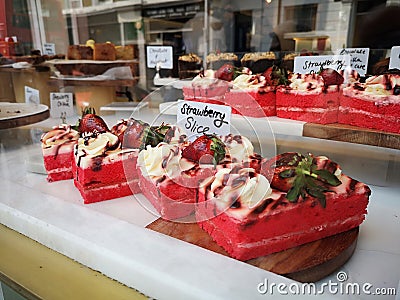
x=110, y=236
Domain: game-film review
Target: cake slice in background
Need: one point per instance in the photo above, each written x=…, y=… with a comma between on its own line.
x=374, y=104
x=189, y=65
x=58, y=152
x=310, y=98
x=80, y=52
x=258, y=62
x=206, y=87
x=216, y=60
x=308, y=199
x=104, y=51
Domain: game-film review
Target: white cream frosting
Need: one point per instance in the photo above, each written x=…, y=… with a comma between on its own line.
x=248, y=81
x=97, y=144
x=238, y=147
x=249, y=190
x=163, y=160
x=59, y=135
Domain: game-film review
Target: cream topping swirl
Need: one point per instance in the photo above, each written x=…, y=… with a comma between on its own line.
x=60, y=134
x=383, y=89
x=245, y=186
x=305, y=82
x=96, y=144
x=163, y=160
x=238, y=147
x=248, y=81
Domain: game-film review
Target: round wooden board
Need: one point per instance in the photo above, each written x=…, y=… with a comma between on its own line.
x=20, y=114
x=306, y=263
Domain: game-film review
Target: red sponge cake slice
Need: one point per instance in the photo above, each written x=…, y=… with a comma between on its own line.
x=58, y=152
x=101, y=168
x=249, y=218
x=159, y=170
x=374, y=104
x=309, y=98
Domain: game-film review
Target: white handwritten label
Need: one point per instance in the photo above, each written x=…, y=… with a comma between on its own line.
x=49, y=49
x=32, y=95
x=394, y=62
x=61, y=104
x=198, y=118
x=313, y=64
x=159, y=55
x=358, y=58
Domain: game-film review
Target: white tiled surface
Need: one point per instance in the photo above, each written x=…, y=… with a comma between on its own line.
x=110, y=236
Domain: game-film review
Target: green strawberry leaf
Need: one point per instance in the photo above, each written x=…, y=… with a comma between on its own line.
x=328, y=177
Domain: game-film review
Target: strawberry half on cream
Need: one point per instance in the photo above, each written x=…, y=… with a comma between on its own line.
x=58, y=152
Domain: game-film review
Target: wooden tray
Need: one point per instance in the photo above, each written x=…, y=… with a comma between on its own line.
x=352, y=134
x=20, y=114
x=306, y=263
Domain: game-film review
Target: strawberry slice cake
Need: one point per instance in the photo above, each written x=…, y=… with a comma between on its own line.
x=58, y=152
x=308, y=199
x=169, y=174
x=310, y=97
x=374, y=104
x=99, y=172
x=206, y=87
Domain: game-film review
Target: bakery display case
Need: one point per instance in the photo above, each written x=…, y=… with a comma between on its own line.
x=108, y=203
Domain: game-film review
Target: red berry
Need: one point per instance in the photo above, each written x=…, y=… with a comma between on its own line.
x=206, y=149
x=331, y=77
x=92, y=123
x=226, y=72
x=272, y=169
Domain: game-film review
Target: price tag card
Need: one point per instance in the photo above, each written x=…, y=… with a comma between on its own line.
x=394, y=62
x=32, y=95
x=61, y=105
x=313, y=64
x=161, y=55
x=358, y=58
x=49, y=49
x=198, y=118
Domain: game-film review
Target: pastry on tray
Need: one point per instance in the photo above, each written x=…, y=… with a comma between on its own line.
x=294, y=200
x=58, y=152
x=374, y=104
x=311, y=98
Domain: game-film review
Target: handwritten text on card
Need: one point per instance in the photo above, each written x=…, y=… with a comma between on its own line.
x=199, y=118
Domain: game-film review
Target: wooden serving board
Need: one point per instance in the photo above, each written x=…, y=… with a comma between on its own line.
x=352, y=134
x=306, y=263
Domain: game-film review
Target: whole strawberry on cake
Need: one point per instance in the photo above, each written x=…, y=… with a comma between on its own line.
x=295, y=199
x=374, y=104
x=310, y=97
x=58, y=152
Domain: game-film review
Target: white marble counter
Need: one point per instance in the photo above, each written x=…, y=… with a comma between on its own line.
x=110, y=236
